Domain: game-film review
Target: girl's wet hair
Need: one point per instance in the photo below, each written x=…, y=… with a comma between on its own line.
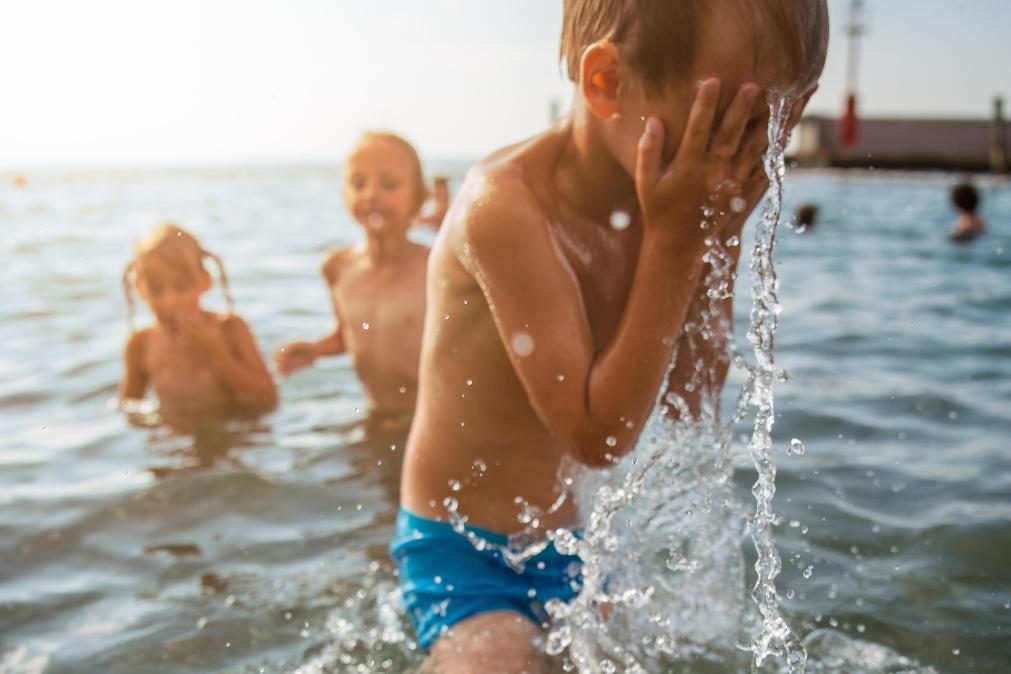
x=420, y=186
x=179, y=249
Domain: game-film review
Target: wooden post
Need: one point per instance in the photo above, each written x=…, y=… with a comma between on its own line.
x=998, y=138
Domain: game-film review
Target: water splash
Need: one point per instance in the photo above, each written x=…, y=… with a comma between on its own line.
x=664, y=570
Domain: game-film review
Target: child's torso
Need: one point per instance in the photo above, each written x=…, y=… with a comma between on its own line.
x=476, y=438
x=381, y=310
x=183, y=378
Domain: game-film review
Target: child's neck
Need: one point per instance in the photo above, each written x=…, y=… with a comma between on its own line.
x=385, y=248
x=587, y=175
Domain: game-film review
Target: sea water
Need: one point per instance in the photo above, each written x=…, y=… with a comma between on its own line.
x=261, y=546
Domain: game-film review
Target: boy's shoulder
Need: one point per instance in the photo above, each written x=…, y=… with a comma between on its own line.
x=335, y=261
x=508, y=192
x=137, y=342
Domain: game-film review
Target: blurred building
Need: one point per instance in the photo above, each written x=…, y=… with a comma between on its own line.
x=939, y=144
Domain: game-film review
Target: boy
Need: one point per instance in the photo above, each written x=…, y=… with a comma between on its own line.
x=969, y=225
x=377, y=288
x=559, y=286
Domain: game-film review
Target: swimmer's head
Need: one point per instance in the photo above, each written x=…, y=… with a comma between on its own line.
x=632, y=59
x=965, y=198
x=168, y=272
x=384, y=184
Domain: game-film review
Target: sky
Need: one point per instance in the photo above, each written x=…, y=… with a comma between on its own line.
x=166, y=82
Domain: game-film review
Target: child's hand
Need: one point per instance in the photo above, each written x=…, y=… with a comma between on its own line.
x=707, y=178
x=294, y=356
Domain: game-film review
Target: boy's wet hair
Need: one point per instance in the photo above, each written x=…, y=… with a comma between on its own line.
x=965, y=197
x=177, y=248
x=420, y=187
x=658, y=39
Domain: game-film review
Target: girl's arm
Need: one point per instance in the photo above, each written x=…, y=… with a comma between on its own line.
x=135, y=377
x=242, y=367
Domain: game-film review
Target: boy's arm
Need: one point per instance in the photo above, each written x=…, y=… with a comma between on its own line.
x=333, y=343
x=135, y=378
x=293, y=356
x=595, y=403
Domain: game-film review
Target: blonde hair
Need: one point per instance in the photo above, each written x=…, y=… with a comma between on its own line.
x=659, y=38
x=179, y=249
x=420, y=186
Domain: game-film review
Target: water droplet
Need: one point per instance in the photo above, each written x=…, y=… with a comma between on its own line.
x=438, y=580
x=403, y=390
x=620, y=220
x=451, y=504
x=611, y=441
x=479, y=465
x=560, y=378
x=523, y=344
x=470, y=382
x=738, y=204
x=365, y=326
x=796, y=447
x=808, y=572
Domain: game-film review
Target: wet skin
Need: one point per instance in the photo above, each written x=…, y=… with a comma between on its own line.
x=585, y=292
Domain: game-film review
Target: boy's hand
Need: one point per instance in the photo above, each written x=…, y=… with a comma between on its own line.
x=294, y=356
x=712, y=167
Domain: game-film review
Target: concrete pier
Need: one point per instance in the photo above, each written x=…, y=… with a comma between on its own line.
x=979, y=145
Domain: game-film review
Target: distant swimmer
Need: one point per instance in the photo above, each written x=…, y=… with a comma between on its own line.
x=807, y=217
x=969, y=225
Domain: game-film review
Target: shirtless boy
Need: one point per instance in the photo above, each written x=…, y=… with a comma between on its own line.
x=550, y=329
x=378, y=287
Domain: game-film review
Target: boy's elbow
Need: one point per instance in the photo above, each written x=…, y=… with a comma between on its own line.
x=599, y=450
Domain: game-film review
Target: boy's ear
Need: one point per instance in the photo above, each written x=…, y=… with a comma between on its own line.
x=599, y=79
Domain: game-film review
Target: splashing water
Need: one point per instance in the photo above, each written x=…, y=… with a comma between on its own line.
x=662, y=544
x=664, y=574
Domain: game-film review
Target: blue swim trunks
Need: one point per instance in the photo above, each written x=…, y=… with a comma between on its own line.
x=445, y=578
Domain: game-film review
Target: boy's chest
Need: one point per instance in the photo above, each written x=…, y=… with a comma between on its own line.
x=603, y=261
x=369, y=301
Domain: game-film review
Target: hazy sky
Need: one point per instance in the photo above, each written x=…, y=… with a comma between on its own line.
x=112, y=82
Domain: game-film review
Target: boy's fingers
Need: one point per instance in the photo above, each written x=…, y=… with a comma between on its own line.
x=752, y=152
x=647, y=164
x=700, y=119
x=727, y=139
